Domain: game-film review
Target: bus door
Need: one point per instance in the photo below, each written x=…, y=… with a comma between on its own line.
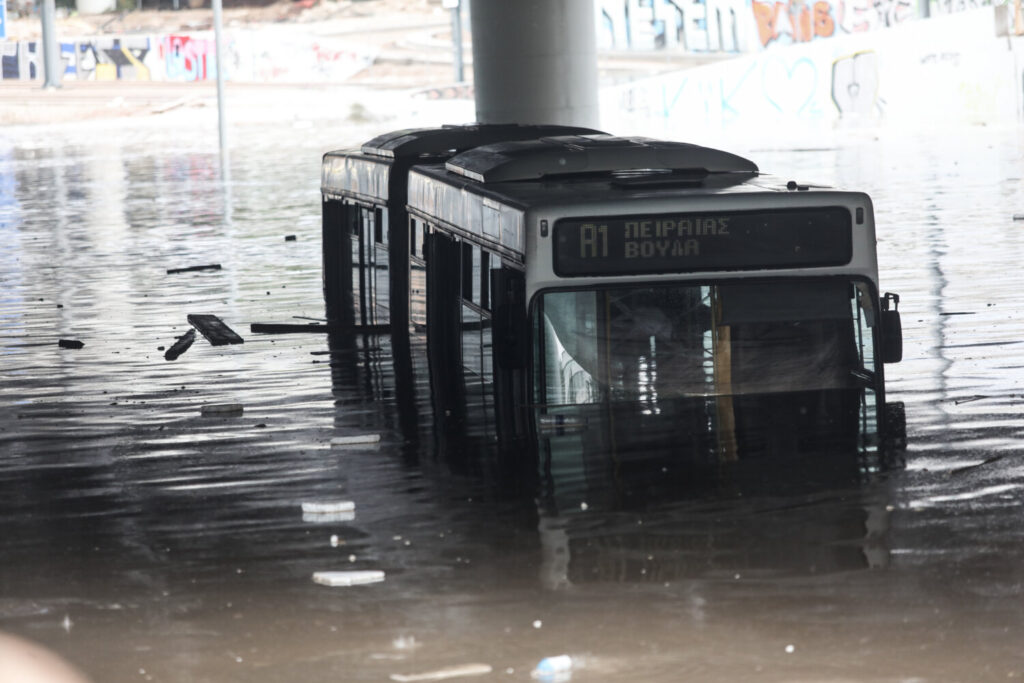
x=788, y=361
x=631, y=364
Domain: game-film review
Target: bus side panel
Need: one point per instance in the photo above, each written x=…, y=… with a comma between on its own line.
x=398, y=268
x=444, y=336
x=337, y=262
x=510, y=345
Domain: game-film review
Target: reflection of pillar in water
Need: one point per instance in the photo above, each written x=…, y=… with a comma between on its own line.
x=875, y=549
x=554, y=542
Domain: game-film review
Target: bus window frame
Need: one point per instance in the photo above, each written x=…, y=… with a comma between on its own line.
x=535, y=341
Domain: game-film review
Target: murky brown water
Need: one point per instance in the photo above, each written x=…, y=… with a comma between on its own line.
x=145, y=541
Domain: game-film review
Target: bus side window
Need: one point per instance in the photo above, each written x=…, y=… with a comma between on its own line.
x=378, y=225
x=380, y=233
x=485, y=281
x=467, y=271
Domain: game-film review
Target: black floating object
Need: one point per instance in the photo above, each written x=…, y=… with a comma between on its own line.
x=214, y=329
x=289, y=238
x=70, y=344
x=181, y=346
x=285, y=328
x=212, y=266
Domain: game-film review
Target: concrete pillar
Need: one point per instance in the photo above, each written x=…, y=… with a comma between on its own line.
x=52, y=64
x=535, y=61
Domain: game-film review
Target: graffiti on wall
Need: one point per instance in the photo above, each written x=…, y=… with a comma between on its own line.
x=767, y=89
x=97, y=59
x=20, y=60
x=693, y=25
x=188, y=59
x=794, y=21
x=772, y=87
x=855, y=84
x=801, y=21
x=249, y=56
x=111, y=59
x=739, y=26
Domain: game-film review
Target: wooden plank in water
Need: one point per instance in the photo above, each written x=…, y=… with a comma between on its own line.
x=214, y=329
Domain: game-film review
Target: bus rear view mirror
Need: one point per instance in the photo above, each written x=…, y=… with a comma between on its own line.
x=892, y=330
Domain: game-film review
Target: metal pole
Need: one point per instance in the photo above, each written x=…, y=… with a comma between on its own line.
x=51, y=51
x=225, y=171
x=457, y=41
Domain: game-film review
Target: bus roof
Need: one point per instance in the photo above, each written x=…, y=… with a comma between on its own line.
x=365, y=173
x=578, y=188
x=452, y=139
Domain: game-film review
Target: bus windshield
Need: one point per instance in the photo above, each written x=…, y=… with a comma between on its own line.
x=656, y=342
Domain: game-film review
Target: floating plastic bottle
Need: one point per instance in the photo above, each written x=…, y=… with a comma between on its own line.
x=553, y=668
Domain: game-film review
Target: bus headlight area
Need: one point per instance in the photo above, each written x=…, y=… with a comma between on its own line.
x=582, y=292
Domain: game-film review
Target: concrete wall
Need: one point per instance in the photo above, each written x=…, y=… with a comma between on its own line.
x=259, y=56
x=950, y=69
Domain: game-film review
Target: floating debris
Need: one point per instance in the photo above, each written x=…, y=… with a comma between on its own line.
x=355, y=440
x=446, y=673
x=289, y=238
x=222, y=409
x=70, y=344
x=192, y=269
x=559, y=665
x=214, y=329
x=328, y=508
x=1018, y=216
x=288, y=328
x=181, y=346
x=351, y=578
x=325, y=517
x=968, y=468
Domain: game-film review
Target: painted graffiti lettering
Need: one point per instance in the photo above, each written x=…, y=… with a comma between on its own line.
x=795, y=20
x=188, y=58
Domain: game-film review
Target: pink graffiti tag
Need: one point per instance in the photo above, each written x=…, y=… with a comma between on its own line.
x=805, y=22
x=188, y=58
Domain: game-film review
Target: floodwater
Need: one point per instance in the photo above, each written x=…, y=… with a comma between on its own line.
x=143, y=540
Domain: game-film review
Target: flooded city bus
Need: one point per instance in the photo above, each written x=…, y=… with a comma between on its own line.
x=609, y=294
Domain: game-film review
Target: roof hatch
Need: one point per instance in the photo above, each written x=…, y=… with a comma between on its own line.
x=585, y=154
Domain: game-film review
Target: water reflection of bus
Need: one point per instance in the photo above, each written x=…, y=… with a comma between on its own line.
x=629, y=294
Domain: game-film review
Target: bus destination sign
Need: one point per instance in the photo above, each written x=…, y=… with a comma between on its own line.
x=679, y=243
